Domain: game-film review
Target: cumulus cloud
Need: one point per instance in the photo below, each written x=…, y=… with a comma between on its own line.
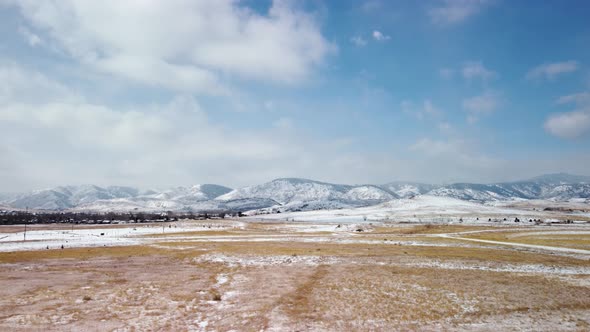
x=483, y=104
x=35, y=88
x=550, y=71
x=62, y=138
x=379, y=36
x=69, y=139
x=449, y=12
x=183, y=45
x=569, y=125
x=573, y=124
x=476, y=70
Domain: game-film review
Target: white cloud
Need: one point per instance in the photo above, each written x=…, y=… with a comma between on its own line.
x=582, y=98
x=573, y=124
x=569, y=125
x=424, y=110
x=550, y=71
x=183, y=45
x=483, y=104
x=379, y=36
x=476, y=70
x=450, y=12
x=61, y=138
x=70, y=140
x=358, y=41
x=33, y=87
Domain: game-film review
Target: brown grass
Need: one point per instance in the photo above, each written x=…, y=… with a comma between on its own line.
x=78, y=253
x=371, y=297
x=370, y=287
x=427, y=229
x=381, y=250
x=576, y=241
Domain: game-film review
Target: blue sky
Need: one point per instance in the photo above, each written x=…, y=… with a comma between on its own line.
x=159, y=93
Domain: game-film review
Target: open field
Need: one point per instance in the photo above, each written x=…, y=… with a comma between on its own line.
x=274, y=276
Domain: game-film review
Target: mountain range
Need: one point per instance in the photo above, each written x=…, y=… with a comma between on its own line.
x=289, y=194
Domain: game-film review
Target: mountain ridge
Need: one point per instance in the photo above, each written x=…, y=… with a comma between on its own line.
x=290, y=194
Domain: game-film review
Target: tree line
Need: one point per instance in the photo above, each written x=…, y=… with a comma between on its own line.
x=21, y=217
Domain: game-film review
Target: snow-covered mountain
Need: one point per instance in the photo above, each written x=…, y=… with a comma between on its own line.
x=291, y=195
x=559, y=186
x=407, y=189
x=115, y=198
x=293, y=191
x=65, y=197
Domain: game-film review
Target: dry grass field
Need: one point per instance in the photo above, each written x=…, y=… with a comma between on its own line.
x=300, y=277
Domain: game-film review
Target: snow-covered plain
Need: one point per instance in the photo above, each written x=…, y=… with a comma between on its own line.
x=425, y=208
x=97, y=236
x=336, y=223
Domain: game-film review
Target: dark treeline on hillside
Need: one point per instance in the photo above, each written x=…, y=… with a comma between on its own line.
x=20, y=217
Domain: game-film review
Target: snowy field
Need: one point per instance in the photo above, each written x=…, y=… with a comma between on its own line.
x=39, y=237
x=328, y=275
x=337, y=224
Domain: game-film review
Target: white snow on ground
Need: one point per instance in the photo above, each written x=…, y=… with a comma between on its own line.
x=418, y=209
x=251, y=260
x=255, y=260
x=324, y=227
x=315, y=239
x=521, y=268
x=92, y=237
x=544, y=233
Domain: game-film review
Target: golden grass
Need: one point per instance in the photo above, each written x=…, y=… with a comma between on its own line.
x=151, y=282
x=77, y=253
x=485, y=254
x=372, y=297
x=576, y=241
x=427, y=229
x=381, y=248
